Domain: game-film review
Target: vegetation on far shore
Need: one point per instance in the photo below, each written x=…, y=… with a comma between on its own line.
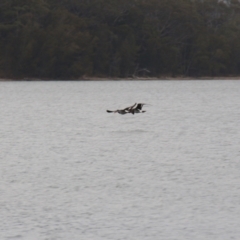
x=80, y=39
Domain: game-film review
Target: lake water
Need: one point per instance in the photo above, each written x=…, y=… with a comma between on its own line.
x=71, y=171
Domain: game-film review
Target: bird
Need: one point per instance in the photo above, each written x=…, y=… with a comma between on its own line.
x=138, y=108
x=122, y=111
x=135, y=108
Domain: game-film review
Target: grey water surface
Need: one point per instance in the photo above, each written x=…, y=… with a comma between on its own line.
x=71, y=171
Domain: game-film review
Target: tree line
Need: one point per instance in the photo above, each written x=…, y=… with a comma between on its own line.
x=71, y=39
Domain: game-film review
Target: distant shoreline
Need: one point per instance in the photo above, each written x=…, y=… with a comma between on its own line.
x=124, y=79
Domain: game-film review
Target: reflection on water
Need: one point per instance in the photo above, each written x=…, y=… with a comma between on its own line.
x=69, y=170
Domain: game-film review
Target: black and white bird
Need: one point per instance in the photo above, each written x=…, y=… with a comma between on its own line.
x=135, y=108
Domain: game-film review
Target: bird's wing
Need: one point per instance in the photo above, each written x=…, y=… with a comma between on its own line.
x=131, y=107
